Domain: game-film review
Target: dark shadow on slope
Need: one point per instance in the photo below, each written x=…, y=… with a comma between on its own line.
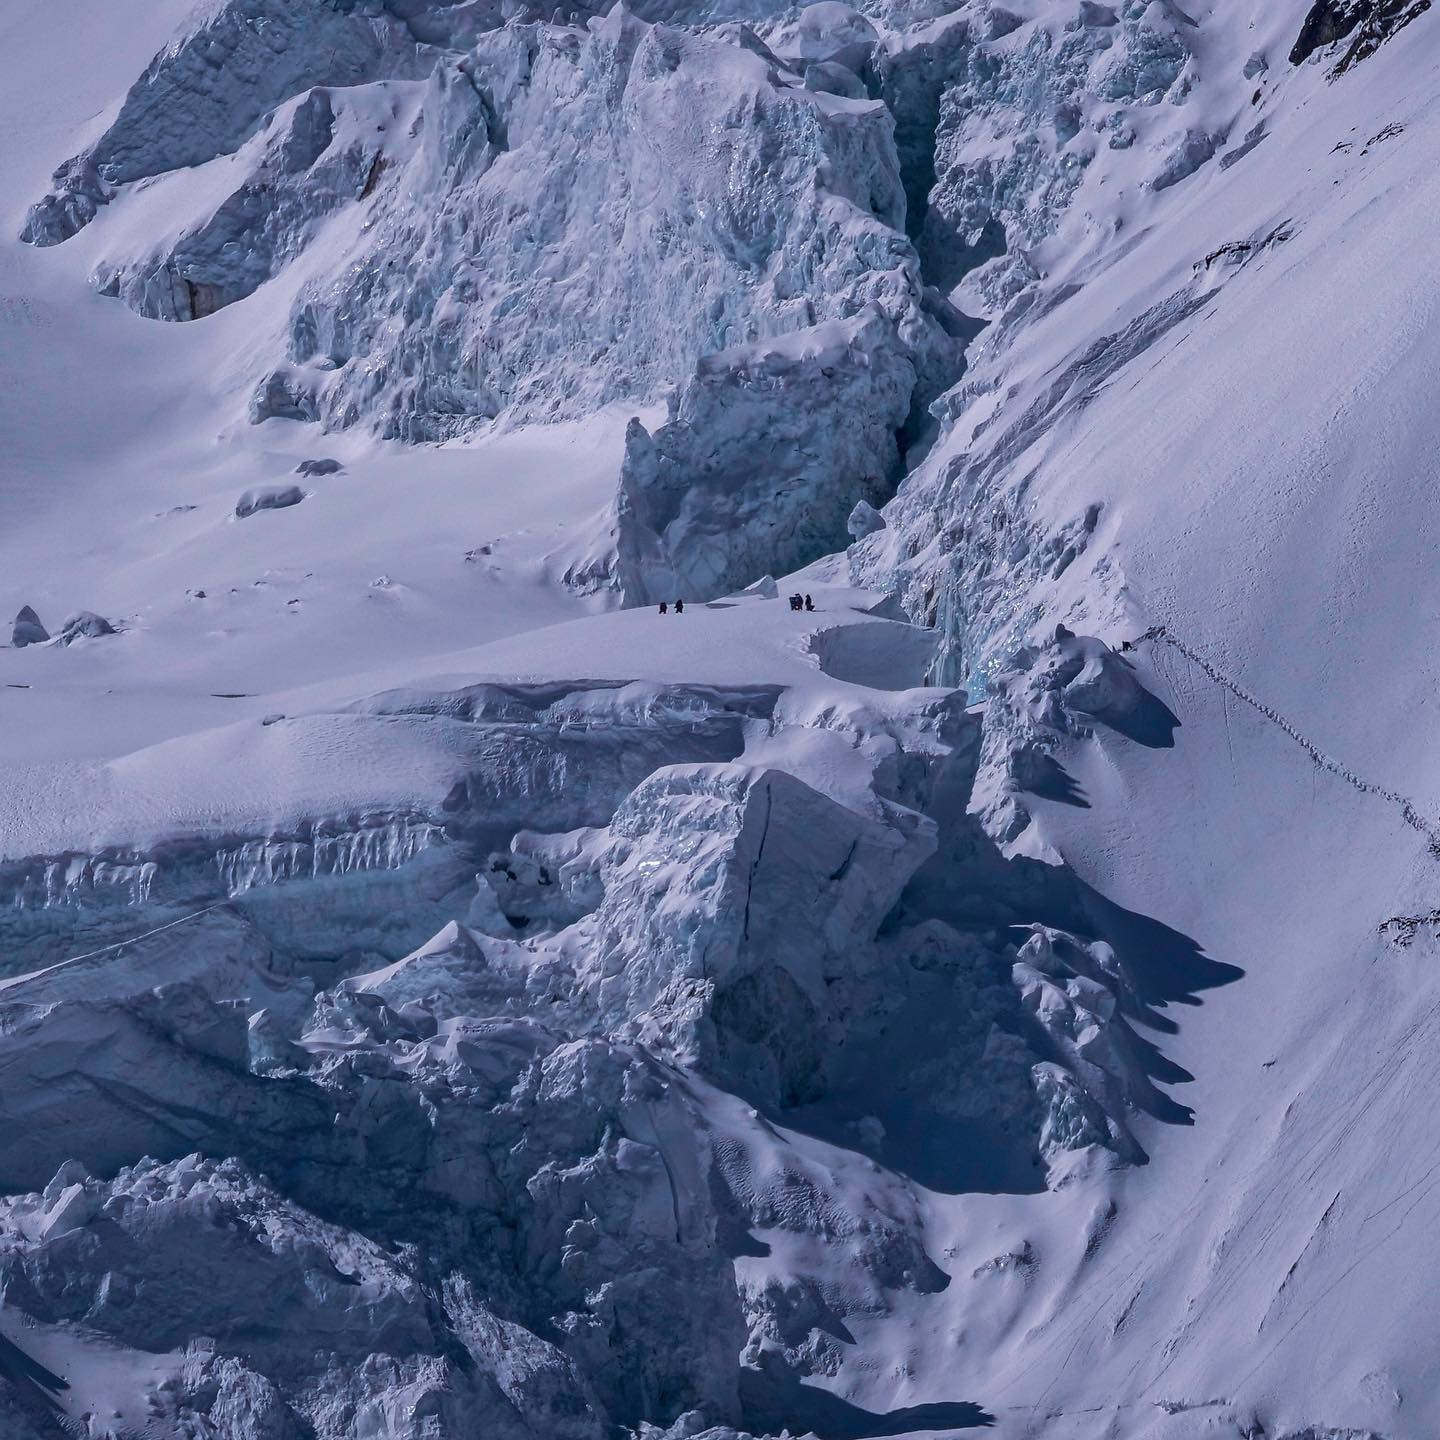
x=914, y=1071
x=945, y=1072
x=733, y=1233
x=1047, y=779
x=945, y=258
x=921, y=428
x=21, y=1371
x=1109, y=690
x=774, y=1399
x=969, y=884
x=32, y=1388
x=1164, y=966
x=1147, y=720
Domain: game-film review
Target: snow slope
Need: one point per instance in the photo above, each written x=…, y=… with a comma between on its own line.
x=126, y=457
x=1262, y=471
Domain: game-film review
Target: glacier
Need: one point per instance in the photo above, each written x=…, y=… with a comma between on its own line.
x=442, y=995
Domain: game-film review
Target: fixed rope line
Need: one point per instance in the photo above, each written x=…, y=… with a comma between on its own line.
x=1408, y=809
x=118, y=945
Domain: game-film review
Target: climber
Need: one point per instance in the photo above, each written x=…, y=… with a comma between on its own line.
x=797, y=602
x=809, y=603
x=679, y=607
x=664, y=608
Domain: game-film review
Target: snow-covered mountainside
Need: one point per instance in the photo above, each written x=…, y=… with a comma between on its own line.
x=445, y=996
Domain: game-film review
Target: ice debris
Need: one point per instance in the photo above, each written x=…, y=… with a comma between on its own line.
x=86, y=624
x=27, y=629
x=310, y=468
x=267, y=497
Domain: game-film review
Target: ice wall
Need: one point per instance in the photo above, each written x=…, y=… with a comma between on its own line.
x=768, y=451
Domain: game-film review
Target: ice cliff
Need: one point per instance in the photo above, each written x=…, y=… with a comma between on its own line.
x=554, y=218
x=642, y=1047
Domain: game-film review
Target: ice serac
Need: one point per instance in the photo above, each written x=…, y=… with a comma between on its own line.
x=310, y=157
x=213, y=86
x=1074, y=991
x=133, y=1255
x=1034, y=124
x=1044, y=697
x=1023, y=117
x=768, y=448
x=480, y=1220
x=85, y=625
x=376, y=881
x=536, y=219
x=736, y=903
x=28, y=629
x=643, y=1062
x=573, y=178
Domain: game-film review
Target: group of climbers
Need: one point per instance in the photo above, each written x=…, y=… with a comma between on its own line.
x=797, y=602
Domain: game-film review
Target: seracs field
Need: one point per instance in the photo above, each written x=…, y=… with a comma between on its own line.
x=443, y=997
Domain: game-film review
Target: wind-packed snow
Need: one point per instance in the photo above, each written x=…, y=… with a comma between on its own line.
x=971, y=967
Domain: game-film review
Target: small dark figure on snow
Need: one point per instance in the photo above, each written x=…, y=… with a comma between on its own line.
x=797, y=602
x=679, y=607
x=664, y=608
x=809, y=603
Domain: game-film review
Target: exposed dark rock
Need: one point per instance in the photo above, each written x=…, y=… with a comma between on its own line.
x=1327, y=22
x=1389, y=16
x=1371, y=22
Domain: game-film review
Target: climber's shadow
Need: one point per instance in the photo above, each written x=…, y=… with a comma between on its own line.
x=773, y=1398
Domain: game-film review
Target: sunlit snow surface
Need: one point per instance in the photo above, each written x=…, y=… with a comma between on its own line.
x=439, y=1001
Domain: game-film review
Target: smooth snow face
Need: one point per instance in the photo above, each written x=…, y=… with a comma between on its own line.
x=615, y=1021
